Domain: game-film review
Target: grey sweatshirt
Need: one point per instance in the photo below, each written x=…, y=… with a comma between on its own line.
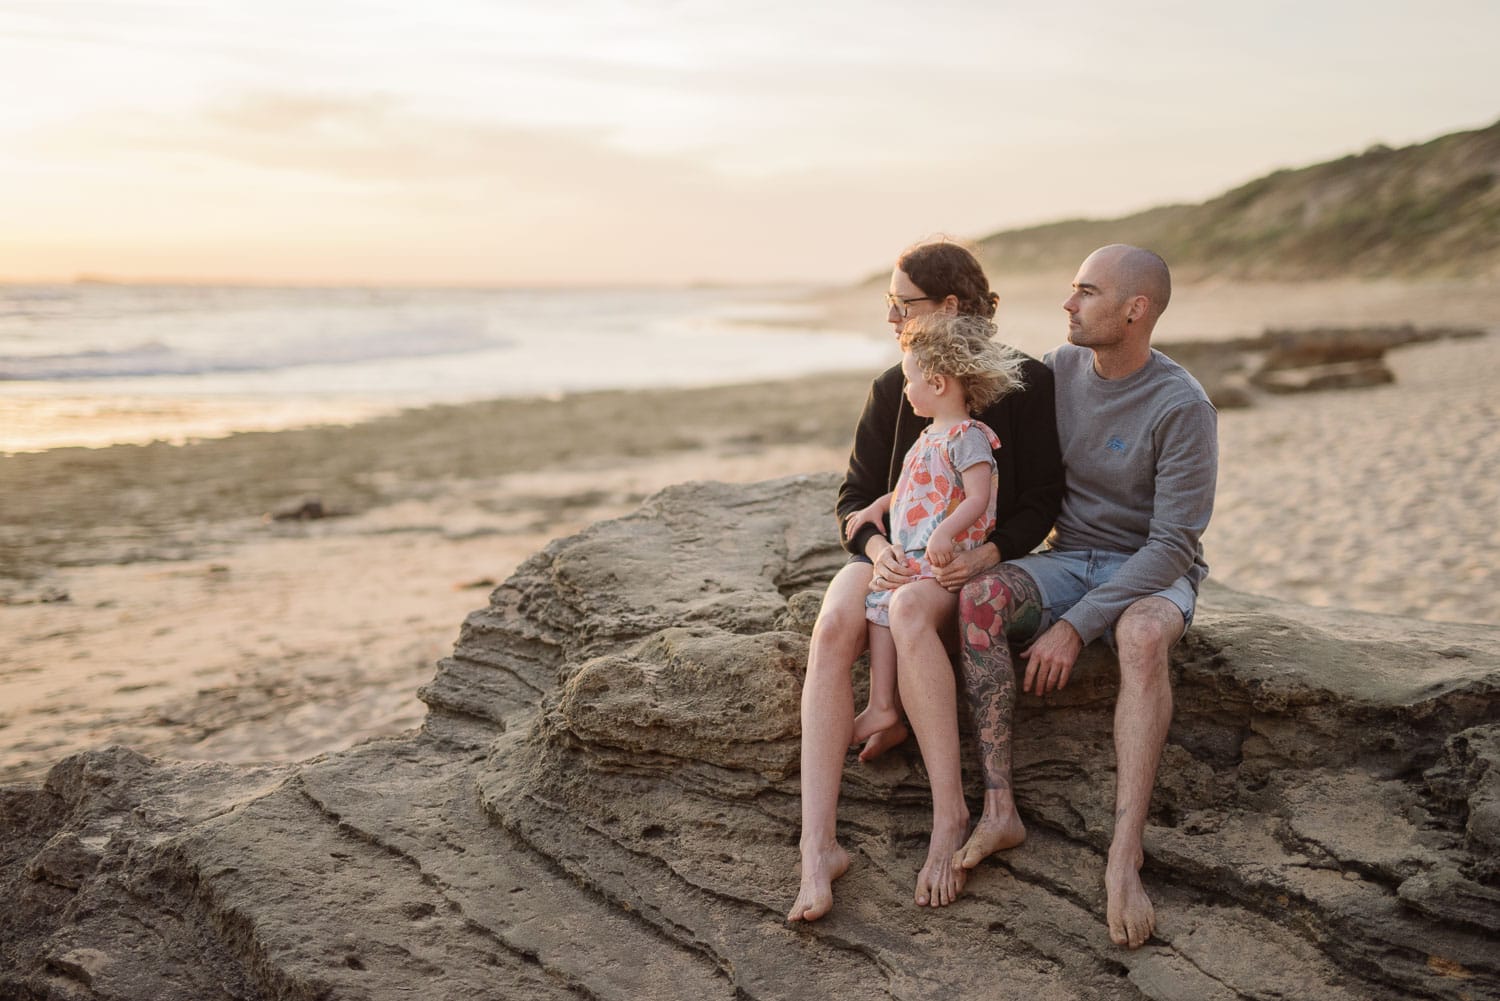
x=1140, y=460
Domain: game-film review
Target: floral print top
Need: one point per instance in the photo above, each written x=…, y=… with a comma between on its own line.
x=931, y=486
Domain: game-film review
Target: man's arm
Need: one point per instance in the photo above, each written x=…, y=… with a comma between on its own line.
x=1187, y=467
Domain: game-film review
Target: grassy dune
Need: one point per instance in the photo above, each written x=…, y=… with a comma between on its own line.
x=1430, y=211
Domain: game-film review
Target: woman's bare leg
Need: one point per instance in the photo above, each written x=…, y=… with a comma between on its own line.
x=839, y=637
x=918, y=611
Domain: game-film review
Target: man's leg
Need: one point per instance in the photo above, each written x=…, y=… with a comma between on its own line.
x=996, y=607
x=918, y=611
x=838, y=638
x=1143, y=638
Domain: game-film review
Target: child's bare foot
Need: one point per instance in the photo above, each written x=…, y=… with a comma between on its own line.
x=940, y=882
x=819, y=869
x=1131, y=917
x=991, y=835
x=874, y=719
x=883, y=740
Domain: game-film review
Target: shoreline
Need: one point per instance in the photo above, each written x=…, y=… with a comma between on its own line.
x=98, y=414
x=156, y=601
x=153, y=602
x=131, y=501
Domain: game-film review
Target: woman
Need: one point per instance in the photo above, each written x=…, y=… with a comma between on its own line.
x=928, y=278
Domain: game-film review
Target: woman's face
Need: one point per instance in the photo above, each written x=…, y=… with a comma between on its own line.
x=905, y=300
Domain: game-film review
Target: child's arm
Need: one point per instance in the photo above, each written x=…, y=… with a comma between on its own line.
x=970, y=509
x=874, y=514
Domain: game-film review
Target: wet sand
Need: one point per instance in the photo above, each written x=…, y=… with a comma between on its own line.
x=146, y=597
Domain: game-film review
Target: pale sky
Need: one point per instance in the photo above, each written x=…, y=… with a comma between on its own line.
x=669, y=141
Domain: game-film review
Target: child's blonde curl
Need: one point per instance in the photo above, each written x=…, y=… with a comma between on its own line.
x=963, y=348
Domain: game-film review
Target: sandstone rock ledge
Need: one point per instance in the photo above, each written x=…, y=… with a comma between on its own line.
x=603, y=804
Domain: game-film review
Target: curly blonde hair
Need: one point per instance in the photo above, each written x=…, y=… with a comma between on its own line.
x=962, y=347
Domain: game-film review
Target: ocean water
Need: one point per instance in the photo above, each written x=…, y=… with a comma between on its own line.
x=98, y=364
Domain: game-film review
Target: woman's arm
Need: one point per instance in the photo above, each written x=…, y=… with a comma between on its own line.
x=869, y=469
x=1031, y=488
x=873, y=515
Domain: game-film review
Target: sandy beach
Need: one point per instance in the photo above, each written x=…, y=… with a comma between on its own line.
x=148, y=596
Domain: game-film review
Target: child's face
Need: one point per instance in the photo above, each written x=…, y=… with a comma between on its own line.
x=919, y=391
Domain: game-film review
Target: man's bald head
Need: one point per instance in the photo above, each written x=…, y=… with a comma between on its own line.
x=1137, y=272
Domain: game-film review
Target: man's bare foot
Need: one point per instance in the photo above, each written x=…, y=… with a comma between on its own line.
x=815, y=895
x=991, y=835
x=883, y=740
x=939, y=883
x=873, y=720
x=1131, y=917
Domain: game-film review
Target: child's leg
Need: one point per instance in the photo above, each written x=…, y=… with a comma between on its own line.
x=881, y=712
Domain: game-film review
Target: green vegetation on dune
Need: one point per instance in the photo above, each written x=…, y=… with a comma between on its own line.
x=1425, y=211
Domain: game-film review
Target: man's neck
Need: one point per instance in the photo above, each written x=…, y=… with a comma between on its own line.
x=1121, y=360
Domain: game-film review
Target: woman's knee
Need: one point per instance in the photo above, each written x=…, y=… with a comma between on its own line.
x=841, y=617
x=920, y=607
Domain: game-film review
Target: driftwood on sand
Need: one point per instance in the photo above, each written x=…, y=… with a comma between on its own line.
x=603, y=803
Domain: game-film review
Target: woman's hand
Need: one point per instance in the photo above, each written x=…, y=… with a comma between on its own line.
x=891, y=569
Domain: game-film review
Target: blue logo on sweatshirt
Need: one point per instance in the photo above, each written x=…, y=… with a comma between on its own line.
x=1115, y=445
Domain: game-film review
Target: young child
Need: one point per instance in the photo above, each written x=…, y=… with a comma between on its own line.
x=944, y=501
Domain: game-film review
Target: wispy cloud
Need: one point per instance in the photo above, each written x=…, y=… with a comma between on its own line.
x=709, y=139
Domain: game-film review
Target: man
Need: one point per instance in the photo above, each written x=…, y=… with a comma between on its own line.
x=1124, y=561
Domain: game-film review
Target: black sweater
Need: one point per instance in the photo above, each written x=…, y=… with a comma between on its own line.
x=1029, y=460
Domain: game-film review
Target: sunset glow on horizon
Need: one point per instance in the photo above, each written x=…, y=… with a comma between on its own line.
x=465, y=142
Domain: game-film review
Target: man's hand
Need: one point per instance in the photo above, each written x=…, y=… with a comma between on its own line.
x=964, y=566
x=1049, y=660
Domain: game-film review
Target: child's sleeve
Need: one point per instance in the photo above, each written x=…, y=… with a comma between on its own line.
x=970, y=448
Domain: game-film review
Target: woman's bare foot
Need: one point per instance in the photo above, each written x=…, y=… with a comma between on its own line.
x=873, y=720
x=991, y=835
x=819, y=870
x=939, y=883
x=883, y=740
x=1131, y=917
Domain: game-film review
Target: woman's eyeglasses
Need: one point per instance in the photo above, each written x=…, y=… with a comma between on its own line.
x=903, y=306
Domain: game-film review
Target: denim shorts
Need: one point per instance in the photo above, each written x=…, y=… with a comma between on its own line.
x=1064, y=578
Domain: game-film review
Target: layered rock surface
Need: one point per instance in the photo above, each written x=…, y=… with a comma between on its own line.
x=603, y=803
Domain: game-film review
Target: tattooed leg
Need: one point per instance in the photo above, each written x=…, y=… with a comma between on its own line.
x=995, y=608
